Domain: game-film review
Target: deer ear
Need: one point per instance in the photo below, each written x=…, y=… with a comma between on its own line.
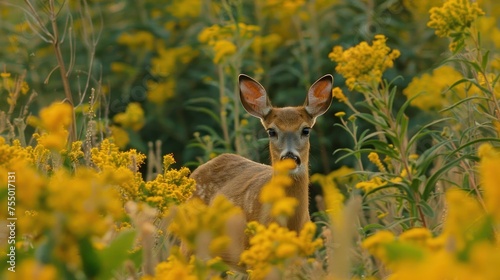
x=319, y=96
x=253, y=97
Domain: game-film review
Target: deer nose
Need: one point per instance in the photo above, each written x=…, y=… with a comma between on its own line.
x=291, y=155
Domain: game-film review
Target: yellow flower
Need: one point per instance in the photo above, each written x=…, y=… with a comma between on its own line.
x=375, y=244
x=273, y=193
x=223, y=49
x=120, y=136
x=490, y=178
x=133, y=117
x=171, y=187
x=373, y=157
x=453, y=19
x=54, y=120
x=31, y=269
x=334, y=199
x=222, y=40
x=56, y=117
x=173, y=269
x=340, y=114
x=416, y=235
x=76, y=153
x=84, y=203
x=372, y=184
x=108, y=155
x=185, y=9
x=284, y=8
x=337, y=93
x=363, y=65
x=465, y=218
x=432, y=89
x=138, y=40
x=159, y=92
x=194, y=218
x=266, y=43
x=169, y=59
x=274, y=246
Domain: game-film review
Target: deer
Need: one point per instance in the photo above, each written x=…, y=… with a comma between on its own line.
x=240, y=180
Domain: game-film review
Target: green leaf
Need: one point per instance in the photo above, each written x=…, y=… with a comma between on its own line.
x=426, y=209
x=44, y=252
x=90, y=260
x=113, y=257
x=431, y=183
x=372, y=227
x=400, y=251
x=484, y=61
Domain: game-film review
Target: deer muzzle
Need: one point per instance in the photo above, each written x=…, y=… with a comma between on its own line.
x=290, y=155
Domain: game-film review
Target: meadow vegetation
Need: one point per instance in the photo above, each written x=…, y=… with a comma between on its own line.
x=106, y=107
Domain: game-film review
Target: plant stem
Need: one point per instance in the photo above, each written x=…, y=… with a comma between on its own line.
x=222, y=110
x=62, y=68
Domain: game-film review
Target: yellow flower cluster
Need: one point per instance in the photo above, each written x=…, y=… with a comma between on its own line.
x=363, y=65
x=15, y=158
x=376, y=243
x=378, y=181
x=372, y=184
x=453, y=19
x=467, y=247
x=337, y=93
x=164, y=66
x=13, y=87
x=276, y=247
x=273, y=193
x=169, y=59
x=199, y=225
x=488, y=168
x=138, y=40
x=31, y=269
x=431, y=89
x=120, y=136
x=132, y=118
x=176, y=268
x=121, y=169
x=73, y=205
x=159, y=92
x=54, y=120
x=334, y=199
x=267, y=43
x=224, y=39
x=373, y=157
x=75, y=153
x=171, y=187
x=82, y=199
x=108, y=156
x=185, y=9
x=173, y=269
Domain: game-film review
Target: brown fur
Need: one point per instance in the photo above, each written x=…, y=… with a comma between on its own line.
x=241, y=180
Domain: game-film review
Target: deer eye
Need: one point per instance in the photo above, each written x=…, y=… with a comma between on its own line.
x=306, y=131
x=271, y=132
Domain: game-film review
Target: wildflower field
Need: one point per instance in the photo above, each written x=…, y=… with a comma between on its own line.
x=107, y=106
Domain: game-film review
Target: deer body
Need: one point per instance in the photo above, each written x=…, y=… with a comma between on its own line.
x=241, y=180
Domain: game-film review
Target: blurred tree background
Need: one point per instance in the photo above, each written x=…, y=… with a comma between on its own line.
x=145, y=71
